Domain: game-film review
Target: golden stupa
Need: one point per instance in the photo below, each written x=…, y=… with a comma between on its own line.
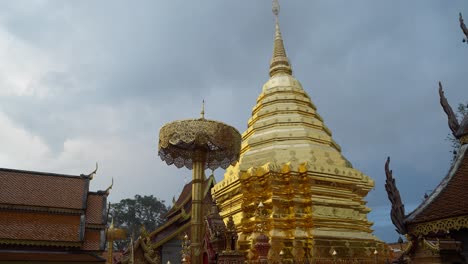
x=290, y=163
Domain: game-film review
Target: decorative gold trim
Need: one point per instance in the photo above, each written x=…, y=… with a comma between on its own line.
x=150, y=252
x=173, y=219
x=452, y=223
x=434, y=248
x=409, y=247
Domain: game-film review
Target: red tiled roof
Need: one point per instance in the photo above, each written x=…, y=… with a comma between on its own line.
x=95, y=209
x=42, y=189
x=92, y=240
x=170, y=231
x=28, y=221
x=450, y=198
x=39, y=226
x=185, y=197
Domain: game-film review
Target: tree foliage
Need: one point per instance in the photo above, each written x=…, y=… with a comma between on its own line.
x=132, y=214
x=462, y=110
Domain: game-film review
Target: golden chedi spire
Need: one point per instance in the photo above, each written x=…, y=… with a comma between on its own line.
x=289, y=162
x=279, y=62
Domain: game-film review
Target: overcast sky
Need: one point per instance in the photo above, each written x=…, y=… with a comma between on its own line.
x=86, y=81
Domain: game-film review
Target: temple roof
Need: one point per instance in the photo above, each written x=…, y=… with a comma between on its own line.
x=42, y=189
x=450, y=197
x=182, y=201
x=50, y=210
x=39, y=228
x=96, y=212
x=178, y=217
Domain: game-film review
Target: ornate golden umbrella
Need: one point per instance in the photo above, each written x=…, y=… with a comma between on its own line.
x=198, y=144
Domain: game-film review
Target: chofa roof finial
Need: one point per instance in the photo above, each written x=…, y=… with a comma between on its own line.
x=91, y=175
x=463, y=28
x=452, y=118
x=107, y=191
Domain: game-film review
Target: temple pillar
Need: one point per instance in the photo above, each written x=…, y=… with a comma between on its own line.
x=197, y=209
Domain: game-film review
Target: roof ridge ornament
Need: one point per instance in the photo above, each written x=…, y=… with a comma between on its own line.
x=453, y=123
x=91, y=175
x=397, y=213
x=279, y=62
x=107, y=191
x=463, y=28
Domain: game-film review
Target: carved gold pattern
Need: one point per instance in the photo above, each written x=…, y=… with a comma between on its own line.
x=433, y=247
x=453, y=223
x=151, y=252
x=218, y=142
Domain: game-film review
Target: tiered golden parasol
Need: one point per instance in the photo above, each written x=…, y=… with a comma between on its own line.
x=198, y=144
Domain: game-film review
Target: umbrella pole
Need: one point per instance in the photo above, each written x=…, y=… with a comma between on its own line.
x=197, y=210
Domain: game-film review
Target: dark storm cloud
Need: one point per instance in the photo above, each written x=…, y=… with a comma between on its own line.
x=113, y=72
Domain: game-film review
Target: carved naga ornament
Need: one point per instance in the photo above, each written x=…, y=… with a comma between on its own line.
x=463, y=28
x=398, y=208
x=452, y=118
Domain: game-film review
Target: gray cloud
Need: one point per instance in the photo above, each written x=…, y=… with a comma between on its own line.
x=85, y=81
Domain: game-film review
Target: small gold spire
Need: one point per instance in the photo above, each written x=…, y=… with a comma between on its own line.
x=202, y=113
x=279, y=62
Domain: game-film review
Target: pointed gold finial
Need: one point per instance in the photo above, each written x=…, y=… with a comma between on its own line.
x=276, y=8
x=202, y=113
x=279, y=62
